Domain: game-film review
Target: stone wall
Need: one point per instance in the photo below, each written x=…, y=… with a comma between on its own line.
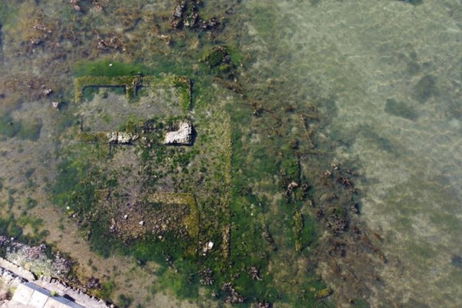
x=45, y=291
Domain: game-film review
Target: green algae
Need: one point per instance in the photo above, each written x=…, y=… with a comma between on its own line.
x=29, y=130
x=78, y=183
x=263, y=163
x=413, y=2
x=9, y=127
x=13, y=226
x=222, y=60
x=109, y=68
x=85, y=87
x=234, y=213
x=305, y=231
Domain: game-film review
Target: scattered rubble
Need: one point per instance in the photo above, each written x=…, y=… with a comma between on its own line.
x=264, y=305
x=46, y=91
x=111, y=43
x=206, y=277
x=232, y=297
x=255, y=273
x=27, y=269
x=290, y=188
x=121, y=137
x=76, y=5
x=207, y=247
x=37, y=259
x=56, y=105
x=186, y=15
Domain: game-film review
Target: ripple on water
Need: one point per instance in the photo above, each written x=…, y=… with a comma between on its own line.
x=390, y=68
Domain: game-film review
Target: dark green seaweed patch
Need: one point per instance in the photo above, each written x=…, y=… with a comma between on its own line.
x=222, y=60
x=72, y=188
x=400, y=109
x=14, y=227
x=425, y=88
x=413, y=2
x=124, y=301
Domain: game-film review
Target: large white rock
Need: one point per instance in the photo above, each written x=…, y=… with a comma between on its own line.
x=182, y=136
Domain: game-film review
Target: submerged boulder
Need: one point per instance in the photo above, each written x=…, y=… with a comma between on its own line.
x=182, y=136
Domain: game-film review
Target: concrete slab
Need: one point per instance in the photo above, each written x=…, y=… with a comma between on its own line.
x=22, y=294
x=38, y=299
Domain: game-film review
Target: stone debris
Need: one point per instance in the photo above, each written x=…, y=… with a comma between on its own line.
x=291, y=187
x=232, y=296
x=182, y=136
x=207, y=247
x=36, y=258
x=186, y=15
x=56, y=105
x=255, y=273
x=264, y=305
x=206, y=277
x=121, y=137
x=45, y=292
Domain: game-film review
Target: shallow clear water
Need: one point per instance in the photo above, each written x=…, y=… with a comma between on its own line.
x=394, y=72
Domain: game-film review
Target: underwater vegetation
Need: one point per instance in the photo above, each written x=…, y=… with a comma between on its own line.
x=425, y=88
x=231, y=251
x=400, y=109
x=413, y=2
x=24, y=130
x=237, y=215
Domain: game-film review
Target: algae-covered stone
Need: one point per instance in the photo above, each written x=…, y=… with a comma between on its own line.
x=217, y=56
x=324, y=293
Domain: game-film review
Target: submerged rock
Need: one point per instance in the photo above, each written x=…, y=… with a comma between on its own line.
x=56, y=105
x=186, y=15
x=324, y=293
x=121, y=137
x=456, y=261
x=182, y=136
x=232, y=296
x=207, y=247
